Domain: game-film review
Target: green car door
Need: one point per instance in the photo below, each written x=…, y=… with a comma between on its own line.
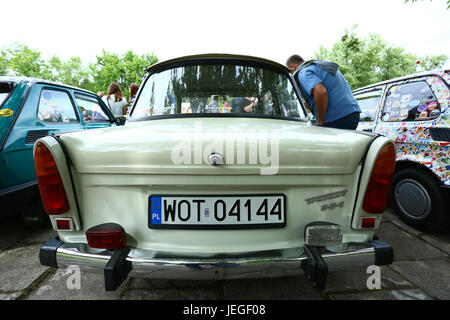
x=48, y=109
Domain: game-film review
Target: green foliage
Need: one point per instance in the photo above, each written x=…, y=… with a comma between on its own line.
x=20, y=60
x=124, y=69
x=23, y=61
x=448, y=2
x=3, y=63
x=433, y=62
x=364, y=61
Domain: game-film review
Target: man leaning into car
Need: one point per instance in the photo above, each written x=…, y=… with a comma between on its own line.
x=326, y=91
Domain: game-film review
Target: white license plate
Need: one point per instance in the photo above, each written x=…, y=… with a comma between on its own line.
x=217, y=211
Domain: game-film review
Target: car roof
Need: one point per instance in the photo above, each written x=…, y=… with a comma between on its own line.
x=31, y=81
x=217, y=56
x=402, y=78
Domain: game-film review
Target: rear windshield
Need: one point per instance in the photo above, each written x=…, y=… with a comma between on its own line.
x=368, y=102
x=218, y=89
x=5, y=90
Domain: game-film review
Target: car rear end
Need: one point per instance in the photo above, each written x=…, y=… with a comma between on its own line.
x=215, y=196
x=240, y=223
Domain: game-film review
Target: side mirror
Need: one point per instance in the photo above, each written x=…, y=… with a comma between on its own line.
x=120, y=120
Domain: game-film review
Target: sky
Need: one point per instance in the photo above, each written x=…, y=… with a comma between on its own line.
x=272, y=29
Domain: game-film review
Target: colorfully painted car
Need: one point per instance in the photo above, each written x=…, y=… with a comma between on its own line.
x=217, y=174
x=414, y=111
x=31, y=109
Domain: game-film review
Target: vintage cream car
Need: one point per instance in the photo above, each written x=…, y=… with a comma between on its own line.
x=217, y=174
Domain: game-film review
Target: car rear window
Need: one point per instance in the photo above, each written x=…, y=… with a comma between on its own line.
x=368, y=102
x=5, y=90
x=413, y=101
x=218, y=89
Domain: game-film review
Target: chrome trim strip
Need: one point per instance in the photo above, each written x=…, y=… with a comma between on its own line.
x=147, y=264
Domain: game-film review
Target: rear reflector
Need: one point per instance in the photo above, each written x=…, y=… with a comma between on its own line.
x=51, y=187
x=326, y=234
x=106, y=236
x=379, y=186
x=64, y=224
x=367, y=223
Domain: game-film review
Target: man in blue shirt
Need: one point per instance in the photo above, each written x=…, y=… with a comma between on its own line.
x=326, y=91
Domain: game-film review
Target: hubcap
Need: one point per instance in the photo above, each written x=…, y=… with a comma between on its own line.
x=412, y=199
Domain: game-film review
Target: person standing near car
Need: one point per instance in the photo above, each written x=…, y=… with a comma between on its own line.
x=133, y=88
x=326, y=91
x=115, y=100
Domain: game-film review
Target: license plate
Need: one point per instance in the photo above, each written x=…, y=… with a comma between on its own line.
x=217, y=211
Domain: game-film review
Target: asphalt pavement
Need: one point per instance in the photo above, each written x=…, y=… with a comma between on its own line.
x=420, y=272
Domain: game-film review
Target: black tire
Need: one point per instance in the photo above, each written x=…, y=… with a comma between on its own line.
x=419, y=200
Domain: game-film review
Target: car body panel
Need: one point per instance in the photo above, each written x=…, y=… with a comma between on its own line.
x=413, y=139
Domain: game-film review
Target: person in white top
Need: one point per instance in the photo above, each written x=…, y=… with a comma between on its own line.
x=115, y=100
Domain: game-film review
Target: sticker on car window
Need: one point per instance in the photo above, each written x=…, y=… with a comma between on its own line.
x=46, y=95
x=423, y=115
x=432, y=105
x=405, y=99
x=6, y=113
x=422, y=107
x=435, y=113
x=403, y=114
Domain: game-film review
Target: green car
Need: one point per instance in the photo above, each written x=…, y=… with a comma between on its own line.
x=31, y=109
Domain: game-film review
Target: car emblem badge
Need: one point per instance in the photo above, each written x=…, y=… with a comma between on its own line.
x=215, y=159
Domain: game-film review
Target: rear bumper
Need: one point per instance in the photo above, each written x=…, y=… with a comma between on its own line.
x=156, y=265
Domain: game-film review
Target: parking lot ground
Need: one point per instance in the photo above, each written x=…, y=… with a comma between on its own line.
x=420, y=272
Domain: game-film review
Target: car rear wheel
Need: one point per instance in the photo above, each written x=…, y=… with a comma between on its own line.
x=418, y=200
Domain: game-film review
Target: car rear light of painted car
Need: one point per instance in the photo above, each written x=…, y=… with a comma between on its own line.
x=377, y=192
x=51, y=187
x=106, y=236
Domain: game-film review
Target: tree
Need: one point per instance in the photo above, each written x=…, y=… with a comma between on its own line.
x=432, y=62
x=22, y=61
x=125, y=69
x=3, y=63
x=72, y=72
x=448, y=2
x=364, y=61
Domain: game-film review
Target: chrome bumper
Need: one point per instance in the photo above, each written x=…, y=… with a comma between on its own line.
x=157, y=265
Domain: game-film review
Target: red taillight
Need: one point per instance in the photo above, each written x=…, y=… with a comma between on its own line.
x=51, y=186
x=377, y=192
x=106, y=236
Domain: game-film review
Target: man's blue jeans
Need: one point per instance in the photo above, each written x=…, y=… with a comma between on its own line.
x=348, y=122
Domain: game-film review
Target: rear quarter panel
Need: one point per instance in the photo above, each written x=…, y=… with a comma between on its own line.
x=121, y=195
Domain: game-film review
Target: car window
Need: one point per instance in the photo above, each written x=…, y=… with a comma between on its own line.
x=368, y=102
x=5, y=90
x=413, y=101
x=90, y=109
x=56, y=106
x=218, y=89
